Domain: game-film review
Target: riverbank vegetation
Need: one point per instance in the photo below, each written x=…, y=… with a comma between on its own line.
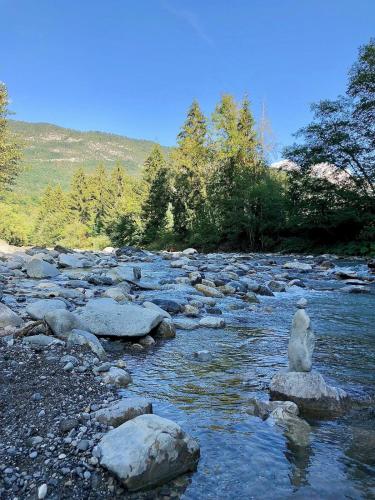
x=216, y=188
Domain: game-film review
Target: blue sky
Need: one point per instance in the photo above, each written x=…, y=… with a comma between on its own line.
x=133, y=67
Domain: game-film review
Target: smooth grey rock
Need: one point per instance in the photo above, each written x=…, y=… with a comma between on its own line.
x=81, y=337
x=38, y=309
x=123, y=410
x=185, y=324
x=115, y=293
x=118, y=377
x=276, y=286
x=263, y=409
x=147, y=451
x=209, y=291
x=72, y=261
x=169, y=305
x=310, y=392
x=155, y=307
x=62, y=322
x=42, y=340
x=39, y=268
x=212, y=322
x=9, y=317
x=301, y=343
x=251, y=297
x=105, y=317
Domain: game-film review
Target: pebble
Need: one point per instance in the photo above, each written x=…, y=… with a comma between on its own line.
x=42, y=491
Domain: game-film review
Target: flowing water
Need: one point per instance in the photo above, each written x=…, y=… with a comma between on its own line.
x=243, y=457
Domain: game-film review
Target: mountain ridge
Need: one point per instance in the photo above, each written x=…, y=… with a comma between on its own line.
x=52, y=153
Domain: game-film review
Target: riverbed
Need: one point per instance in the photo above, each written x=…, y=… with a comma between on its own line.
x=242, y=456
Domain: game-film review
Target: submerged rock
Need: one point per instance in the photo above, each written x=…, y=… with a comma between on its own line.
x=147, y=451
x=310, y=392
x=105, y=317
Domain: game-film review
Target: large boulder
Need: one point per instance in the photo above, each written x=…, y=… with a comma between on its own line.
x=310, y=392
x=123, y=410
x=39, y=268
x=301, y=343
x=147, y=451
x=39, y=308
x=72, y=261
x=62, y=322
x=8, y=317
x=105, y=317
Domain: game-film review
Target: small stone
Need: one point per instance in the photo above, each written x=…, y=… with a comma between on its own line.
x=33, y=454
x=302, y=303
x=42, y=491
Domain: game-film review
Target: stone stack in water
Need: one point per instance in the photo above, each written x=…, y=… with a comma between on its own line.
x=306, y=388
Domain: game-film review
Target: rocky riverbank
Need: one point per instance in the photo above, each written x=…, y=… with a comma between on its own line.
x=66, y=320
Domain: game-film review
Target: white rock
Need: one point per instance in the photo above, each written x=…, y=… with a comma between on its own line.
x=301, y=343
x=298, y=266
x=190, y=251
x=42, y=491
x=39, y=308
x=147, y=451
x=105, y=317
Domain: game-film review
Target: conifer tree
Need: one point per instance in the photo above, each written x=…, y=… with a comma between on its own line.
x=154, y=208
x=190, y=166
x=101, y=200
x=52, y=217
x=79, y=197
x=10, y=154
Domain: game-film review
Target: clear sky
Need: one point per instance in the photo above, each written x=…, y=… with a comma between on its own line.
x=133, y=66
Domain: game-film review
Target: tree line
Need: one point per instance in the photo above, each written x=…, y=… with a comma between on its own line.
x=216, y=190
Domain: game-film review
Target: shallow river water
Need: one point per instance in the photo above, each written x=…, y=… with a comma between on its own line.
x=243, y=457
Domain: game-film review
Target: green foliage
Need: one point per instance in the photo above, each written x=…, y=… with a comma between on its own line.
x=155, y=205
x=10, y=154
x=14, y=227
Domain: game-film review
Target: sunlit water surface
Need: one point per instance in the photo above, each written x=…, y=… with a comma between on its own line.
x=243, y=457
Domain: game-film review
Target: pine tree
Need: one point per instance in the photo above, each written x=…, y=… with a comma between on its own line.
x=190, y=167
x=101, y=200
x=52, y=217
x=79, y=197
x=10, y=154
x=155, y=205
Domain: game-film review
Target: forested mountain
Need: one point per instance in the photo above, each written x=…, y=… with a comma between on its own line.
x=53, y=153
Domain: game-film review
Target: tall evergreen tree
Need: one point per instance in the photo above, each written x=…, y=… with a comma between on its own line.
x=101, y=199
x=154, y=207
x=10, y=154
x=52, y=217
x=79, y=197
x=190, y=166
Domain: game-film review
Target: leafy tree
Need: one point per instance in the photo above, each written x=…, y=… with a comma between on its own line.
x=10, y=154
x=342, y=132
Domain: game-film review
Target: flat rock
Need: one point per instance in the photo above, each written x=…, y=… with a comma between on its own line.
x=41, y=340
x=123, y=410
x=209, y=291
x=39, y=308
x=297, y=266
x=105, y=317
x=185, y=324
x=310, y=392
x=147, y=451
x=39, y=268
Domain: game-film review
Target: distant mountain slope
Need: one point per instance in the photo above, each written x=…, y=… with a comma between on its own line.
x=53, y=153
